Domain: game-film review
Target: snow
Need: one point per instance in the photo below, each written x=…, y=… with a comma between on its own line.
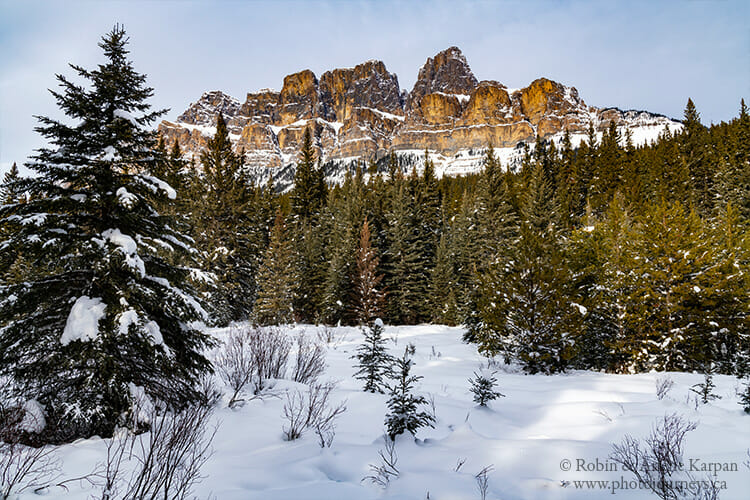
x=155, y=184
x=110, y=153
x=385, y=114
x=33, y=417
x=528, y=435
x=125, y=198
x=83, y=320
x=128, y=247
x=121, y=113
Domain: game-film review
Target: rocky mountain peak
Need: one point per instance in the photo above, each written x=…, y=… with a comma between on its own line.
x=205, y=109
x=367, y=85
x=446, y=72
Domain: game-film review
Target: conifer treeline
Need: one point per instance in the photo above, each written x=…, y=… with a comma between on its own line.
x=605, y=255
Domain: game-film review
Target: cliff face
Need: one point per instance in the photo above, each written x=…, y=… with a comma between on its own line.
x=361, y=112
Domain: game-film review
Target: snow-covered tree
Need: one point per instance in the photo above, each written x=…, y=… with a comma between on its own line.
x=100, y=314
x=404, y=407
x=374, y=362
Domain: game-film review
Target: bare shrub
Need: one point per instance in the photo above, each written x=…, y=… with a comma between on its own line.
x=169, y=457
x=383, y=473
x=663, y=386
x=656, y=461
x=310, y=362
x=234, y=363
x=22, y=467
x=269, y=352
x=312, y=410
x=483, y=482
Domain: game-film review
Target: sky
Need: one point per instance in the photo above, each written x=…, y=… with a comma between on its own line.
x=649, y=55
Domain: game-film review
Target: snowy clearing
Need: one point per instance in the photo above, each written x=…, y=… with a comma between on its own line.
x=544, y=424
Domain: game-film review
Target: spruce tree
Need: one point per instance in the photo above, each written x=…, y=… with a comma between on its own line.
x=99, y=314
x=404, y=407
x=276, y=278
x=9, y=187
x=525, y=304
x=221, y=228
x=483, y=388
x=694, y=151
x=374, y=362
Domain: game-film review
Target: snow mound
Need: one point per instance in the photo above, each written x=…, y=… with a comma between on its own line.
x=83, y=320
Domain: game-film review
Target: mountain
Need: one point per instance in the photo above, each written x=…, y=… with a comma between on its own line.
x=361, y=113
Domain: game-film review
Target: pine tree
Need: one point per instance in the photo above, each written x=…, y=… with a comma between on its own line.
x=368, y=299
x=526, y=306
x=706, y=388
x=402, y=259
x=403, y=406
x=99, y=313
x=374, y=362
x=309, y=194
x=276, y=278
x=483, y=388
x=8, y=189
x=221, y=215
x=694, y=154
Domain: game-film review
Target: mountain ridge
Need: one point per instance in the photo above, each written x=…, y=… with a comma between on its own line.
x=361, y=113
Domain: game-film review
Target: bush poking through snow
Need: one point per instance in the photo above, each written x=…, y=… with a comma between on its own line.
x=656, y=461
x=403, y=406
x=269, y=352
x=234, y=363
x=22, y=468
x=483, y=388
x=663, y=386
x=168, y=458
x=483, y=482
x=312, y=410
x=310, y=362
x=383, y=473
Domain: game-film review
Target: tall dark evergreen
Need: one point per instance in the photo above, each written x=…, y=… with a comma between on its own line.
x=277, y=278
x=100, y=315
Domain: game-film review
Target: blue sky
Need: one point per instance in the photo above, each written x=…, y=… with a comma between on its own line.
x=642, y=55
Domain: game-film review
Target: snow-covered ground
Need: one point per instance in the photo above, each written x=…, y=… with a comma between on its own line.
x=544, y=425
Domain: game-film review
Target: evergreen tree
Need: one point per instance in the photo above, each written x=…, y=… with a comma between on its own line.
x=309, y=194
x=276, y=278
x=374, y=362
x=694, y=155
x=483, y=388
x=526, y=305
x=402, y=259
x=8, y=189
x=100, y=312
x=221, y=228
x=403, y=406
x=706, y=389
